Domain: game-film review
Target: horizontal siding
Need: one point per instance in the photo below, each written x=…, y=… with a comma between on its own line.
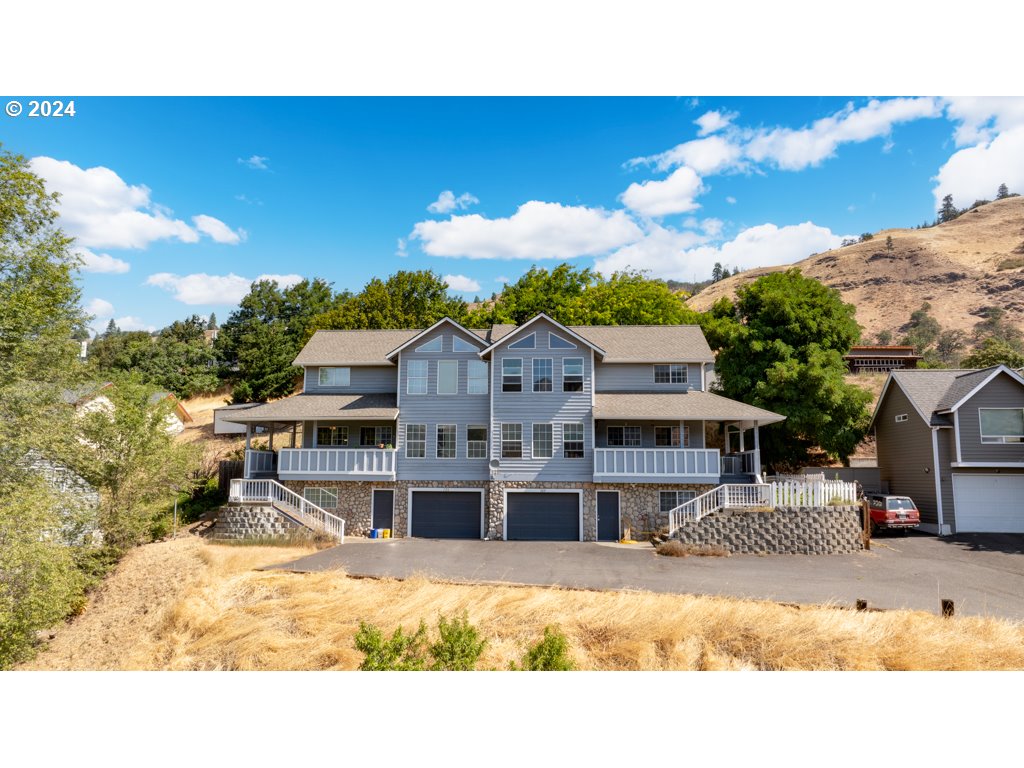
x=905, y=453
x=309, y=431
x=432, y=409
x=946, y=441
x=362, y=380
x=639, y=377
x=1001, y=392
x=647, y=432
x=554, y=407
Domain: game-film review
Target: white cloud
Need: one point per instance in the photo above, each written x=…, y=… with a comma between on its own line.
x=256, y=162
x=218, y=230
x=400, y=248
x=712, y=227
x=706, y=156
x=983, y=117
x=502, y=279
x=537, y=230
x=730, y=200
x=660, y=198
x=461, y=283
x=100, y=210
x=101, y=262
x=202, y=288
x=131, y=323
x=975, y=173
x=101, y=308
x=447, y=202
x=714, y=121
x=248, y=200
x=671, y=254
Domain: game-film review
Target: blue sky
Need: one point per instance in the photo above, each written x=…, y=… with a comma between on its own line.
x=179, y=203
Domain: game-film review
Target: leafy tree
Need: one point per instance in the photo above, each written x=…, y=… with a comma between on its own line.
x=538, y=291
x=948, y=346
x=627, y=298
x=1003, y=192
x=948, y=211
x=994, y=324
x=994, y=352
x=923, y=329
x=782, y=351
x=884, y=337
x=866, y=236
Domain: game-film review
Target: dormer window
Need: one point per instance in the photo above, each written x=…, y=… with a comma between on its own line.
x=674, y=373
x=334, y=377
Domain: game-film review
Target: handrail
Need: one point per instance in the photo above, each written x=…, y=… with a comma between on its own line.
x=288, y=501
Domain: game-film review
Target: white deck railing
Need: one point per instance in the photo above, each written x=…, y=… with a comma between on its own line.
x=663, y=462
x=746, y=463
x=336, y=461
x=289, y=502
x=259, y=463
x=780, y=494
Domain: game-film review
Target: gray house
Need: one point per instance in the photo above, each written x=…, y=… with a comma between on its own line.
x=541, y=431
x=953, y=440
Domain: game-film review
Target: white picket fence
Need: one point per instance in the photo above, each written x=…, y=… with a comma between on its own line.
x=785, y=493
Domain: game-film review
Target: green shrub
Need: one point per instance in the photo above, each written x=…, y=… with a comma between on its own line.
x=399, y=653
x=551, y=654
x=458, y=647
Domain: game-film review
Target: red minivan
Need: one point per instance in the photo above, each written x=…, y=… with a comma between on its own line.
x=895, y=512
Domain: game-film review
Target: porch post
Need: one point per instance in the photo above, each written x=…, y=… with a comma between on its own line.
x=270, y=441
x=757, y=450
x=742, y=430
x=295, y=424
x=248, y=436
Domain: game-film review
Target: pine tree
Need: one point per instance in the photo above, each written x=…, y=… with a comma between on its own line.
x=1003, y=192
x=888, y=243
x=716, y=272
x=112, y=328
x=948, y=211
x=211, y=324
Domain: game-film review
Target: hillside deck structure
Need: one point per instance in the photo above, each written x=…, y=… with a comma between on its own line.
x=880, y=358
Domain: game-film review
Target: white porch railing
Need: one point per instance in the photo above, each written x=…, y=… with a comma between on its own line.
x=336, y=461
x=780, y=494
x=259, y=463
x=745, y=463
x=289, y=502
x=663, y=462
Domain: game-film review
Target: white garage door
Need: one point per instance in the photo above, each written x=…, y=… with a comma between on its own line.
x=989, y=503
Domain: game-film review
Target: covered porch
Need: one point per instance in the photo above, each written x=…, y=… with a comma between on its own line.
x=322, y=437
x=693, y=437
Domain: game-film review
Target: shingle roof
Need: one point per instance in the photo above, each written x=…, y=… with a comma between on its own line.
x=309, y=406
x=353, y=347
x=938, y=389
x=678, y=405
x=648, y=343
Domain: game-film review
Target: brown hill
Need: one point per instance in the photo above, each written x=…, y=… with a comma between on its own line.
x=959, y=267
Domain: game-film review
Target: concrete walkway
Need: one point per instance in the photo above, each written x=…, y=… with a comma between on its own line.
x=983, y=574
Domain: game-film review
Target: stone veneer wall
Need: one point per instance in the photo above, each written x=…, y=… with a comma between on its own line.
x=640, y=505
x=785, y=530
x=251, y=521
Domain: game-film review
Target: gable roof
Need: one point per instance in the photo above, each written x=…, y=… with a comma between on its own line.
x=307, y=407
x=541, y=316
x=694, y=404
x=470, y=334
x=361, y=347
x=649, y=343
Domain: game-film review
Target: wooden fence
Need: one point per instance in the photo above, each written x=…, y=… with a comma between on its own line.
x=228, y=471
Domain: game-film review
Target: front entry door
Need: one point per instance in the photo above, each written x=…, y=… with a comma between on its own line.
x=607, y=516
x=383, y=509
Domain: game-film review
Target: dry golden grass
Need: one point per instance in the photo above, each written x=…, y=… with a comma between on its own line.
x=229, y=616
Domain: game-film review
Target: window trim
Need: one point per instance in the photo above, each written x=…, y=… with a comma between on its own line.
x=472, y=442
x=521, y=343
x=326, y=368
x=676, y=491
x=503, y=375
x=639, y=436
x=533, y=440
x=582, y=440
x=582, y=374
x=321, y=490
x=466, y=346
x=447, y=364
x=1014, y=440
x=503, y=441
x=533, y=373
x=901, y=417
x=341, y=428
x=409, y=441
x=437, y=442
x=428, y=346
x=674, y=429
x=376, y=436
x=684, y=369
x=425, y=378
x=568, y=344
x=470, y=379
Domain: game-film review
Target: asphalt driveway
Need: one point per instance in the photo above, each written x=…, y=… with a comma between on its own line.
x=983, y=574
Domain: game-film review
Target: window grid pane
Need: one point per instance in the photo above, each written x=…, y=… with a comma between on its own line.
x=332, y=435
x=572, y=374
x=543, y=375
x=446, y=441
x=511, y=441
x=477, y=378
x=670, y=374
x=666, y=437
x=572, y=441
x=418, y=370
x=476, y=442
x=543, y=442
x=511, y=375
x=415, y=441
x=324, y=498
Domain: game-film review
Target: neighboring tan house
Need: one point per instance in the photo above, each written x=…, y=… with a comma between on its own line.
x=541, y=431
x=953, y=440
x=177, y=418
x=880, y=359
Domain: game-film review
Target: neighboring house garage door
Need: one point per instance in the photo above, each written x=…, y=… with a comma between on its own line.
x=447, y=514
x=543, y=517
x=989, y=503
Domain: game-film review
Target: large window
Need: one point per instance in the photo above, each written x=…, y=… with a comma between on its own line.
x=670, y=374
x=415, y=441
x=669, y=500
x=332, y=435
x=572, y=440
x=461, y=345
x=623, y=437
x=572, y=374
x=512, y=374
x=1002, y=425
x=418, y=370
x=476, y=382
x=476, y=442
x=527, y=342
x=511, y=441
x=434, y=345
x=447, y=377
x=666, y=437
x=543, y=443
x=325, y=498
x=334, y=377
x=369, y=436
x=446, y=441
x=543, y=375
